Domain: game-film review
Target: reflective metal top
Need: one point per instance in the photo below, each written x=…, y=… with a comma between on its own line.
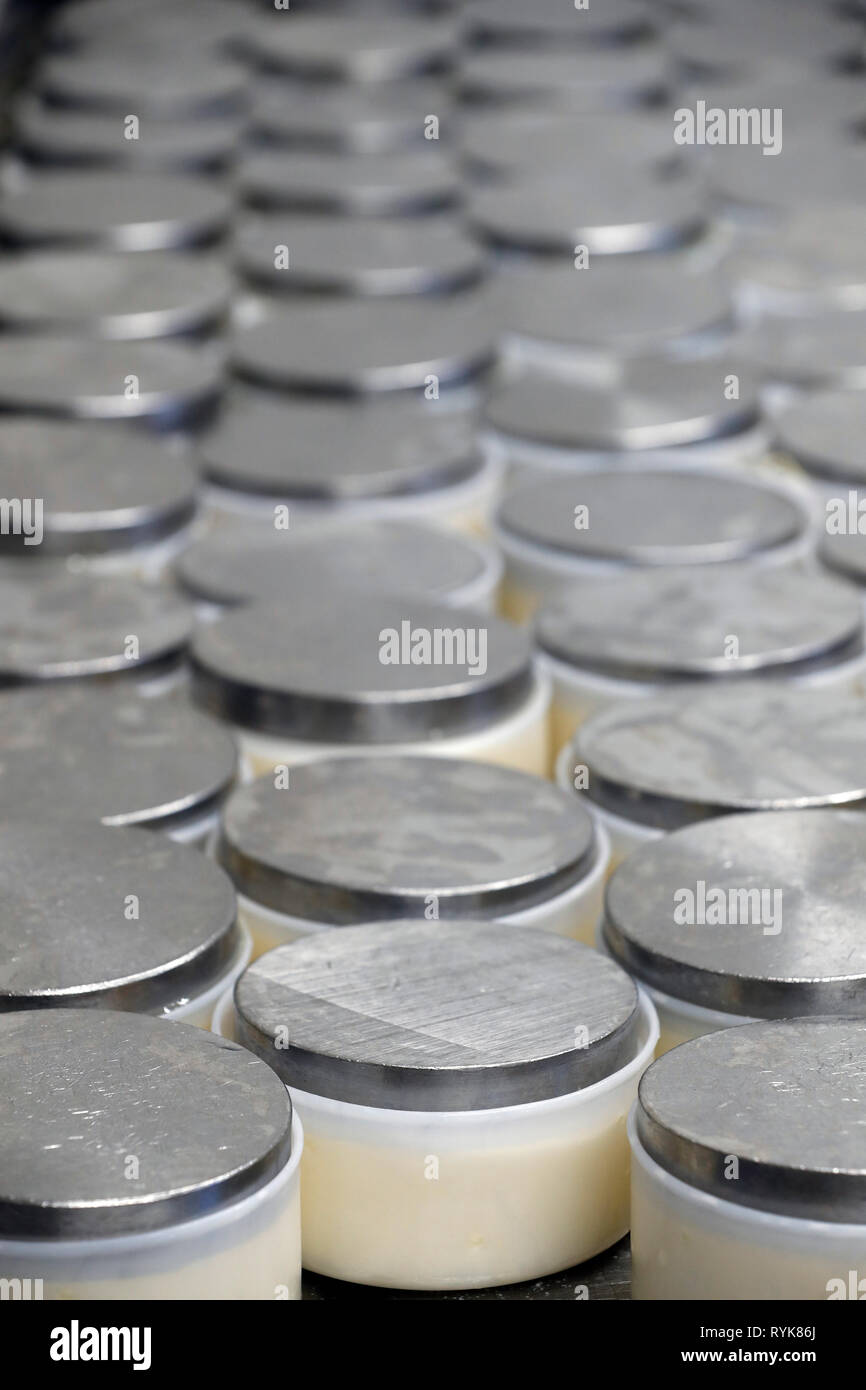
x=550, y=21
x=572, y=78
x=651, y=404
x=98, y=22
x=438, y=1015
x=151, y=295
x=749, y=38
x=358, y=346
x=670, y=761
x=798, y=262
x=48, y=136
x=520, y=142
x=86, y=1092
x=338, y=666
x=678, y=624
x=806, y=173
x=337, y=451
x=377, y=185
x=102, y=488
x=349, y=48
x=361, y=118
x=652, y=516
x=756, y=914
x=823, y=350
x=783, y=1098
x=109, y=919
x=355, y=839
x=102, y=755
x=824, y=431
x=149, y=83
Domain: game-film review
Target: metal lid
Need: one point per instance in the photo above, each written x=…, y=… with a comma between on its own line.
x=337, y=255
x=354, y=346
x=56, y=624
x=337, y=452
x=783, y=1098
x=519, y=143
x=149, y=83
x=678, y=624
x=638, y=306
x=652, y=516
x=509, y=21
x=650, y=403
x=360, y=839
x=164, y=383
x=671, y=761
x=207, y=1123
x=822, y=350
x=569, y=77
x=153, y=295
x=807, y=172
x=799, y=264
x=351, y=48
x=438, y=1015
x=254, y=561
x=374, y=185
x=355, y=118
x=102, y=488
x=773, y=907
x=316, y=671
x=100, y=755
x=121, y=212
x=824, y=432
x=66, y=930
x=628, y=210
x=82, y=139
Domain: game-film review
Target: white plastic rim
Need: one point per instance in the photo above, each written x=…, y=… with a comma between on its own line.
x=623, y=835
x=199, y=1011
x=574, y=912
x=468, y=1199
x=521, y=740
x=691, y=1245
x=249, y=1249
x=197, y=832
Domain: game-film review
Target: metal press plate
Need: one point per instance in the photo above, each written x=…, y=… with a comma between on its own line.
x=825, y=432
x=355, y=347
x=669, y=624
x=253, y=561
x=351, y=48
x=358, y=839
x=313, y=670
x=671, y=761
x=102, y=755
x=376, y=185
x=785, y=1098
x=103, y=488
x=150, y=82
x=65, y=926
x=651, y=403
x=152, y=295
x=207, y=1122
x=337, y=451
x=573, y=79
x=439, y=1015
x=821, y=350
x=803, y=951
x=366, y=119
x=652, y=516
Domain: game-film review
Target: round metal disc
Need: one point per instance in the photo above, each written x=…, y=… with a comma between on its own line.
x=366, y=119
x=357, y=839
x=775, y=924
x=519, y=143
x=155, y=84
x=208, y=1123
x=824, y=432
x=89, y=23
x=806, y=173
x=91, y=139
x=314, y=671
x=66, y=926
x=749, y=38
x=799, y=263
x=549, y=21
x=438, y=1015
x=374, y=185
x=349, y=48
x=783, y=1098
x=571, y=78
x=824, y=350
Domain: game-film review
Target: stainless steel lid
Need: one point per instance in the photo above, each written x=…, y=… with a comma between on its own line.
x=397, y=184
x=253, y=561
x=823, y=350
x=628, y=210
x=782, y=1098
x=824, y=431
x=438, y=1015
x=337, y=666
x=652, y=403
x=56, y=625
x=518, y=143
x=637, y=306
x=571, y=77
x=356, y=118
x=100, y=755
x=153, y=295
x=338, y=255
x=102, y=488
x=351, y=347
x=652, y=516
x=150, y=83
x=337, y=452
x=547, y=21
x=208, y=1123
x=798, y=264
x=95, y=139
x=164, y=384
x=117, y=211
x=351, y=48
x=671, y=761
x=751, y=914
x=679, y=624
x=360, y=839
x=111, y=919
x=806, y=173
